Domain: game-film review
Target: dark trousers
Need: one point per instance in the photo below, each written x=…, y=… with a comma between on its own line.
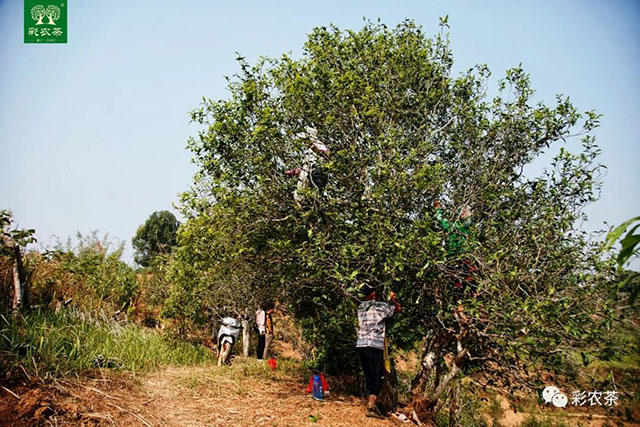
x=261, y=341
x=372, y=360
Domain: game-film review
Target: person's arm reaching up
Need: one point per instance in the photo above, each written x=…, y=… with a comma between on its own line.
x=397, y=308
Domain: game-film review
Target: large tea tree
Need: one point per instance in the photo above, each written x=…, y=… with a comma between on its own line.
x=403, y=133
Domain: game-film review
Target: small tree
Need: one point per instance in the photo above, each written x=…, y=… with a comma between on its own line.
x=214, y=270
x=12, y=244
x=156, y=236
x=52, y=12
x=38, y=12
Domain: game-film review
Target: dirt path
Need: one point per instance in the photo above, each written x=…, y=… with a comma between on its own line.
x=201, y=396
x=245, y=394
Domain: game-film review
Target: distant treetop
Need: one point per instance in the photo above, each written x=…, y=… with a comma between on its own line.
x=155, y=237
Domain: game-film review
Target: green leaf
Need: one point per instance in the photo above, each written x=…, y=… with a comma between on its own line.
x=614, y=235
x=628, y=244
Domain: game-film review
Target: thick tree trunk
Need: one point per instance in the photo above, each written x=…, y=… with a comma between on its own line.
x=435, y=376
x=18, y=285
x=388, y=398
x=456, y=366
x=246, y=337
x=431, y=356
x=454, y=405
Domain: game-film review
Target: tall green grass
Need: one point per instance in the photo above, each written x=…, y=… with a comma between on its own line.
x=50, y=345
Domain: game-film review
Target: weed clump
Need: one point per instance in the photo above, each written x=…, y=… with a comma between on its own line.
x=43, y=344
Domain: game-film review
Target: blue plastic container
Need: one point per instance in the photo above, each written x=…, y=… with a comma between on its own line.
x=318, y=392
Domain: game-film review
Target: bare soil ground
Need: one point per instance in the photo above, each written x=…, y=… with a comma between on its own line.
x=245, y=394
x=248, y=393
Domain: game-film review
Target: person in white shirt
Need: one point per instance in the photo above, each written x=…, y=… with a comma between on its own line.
x=261, y=324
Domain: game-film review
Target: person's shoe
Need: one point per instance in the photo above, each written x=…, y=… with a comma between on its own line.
x=373, y=412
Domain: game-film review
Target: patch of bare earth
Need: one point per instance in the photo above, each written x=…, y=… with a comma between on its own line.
x=203, y=396
x=244, y=394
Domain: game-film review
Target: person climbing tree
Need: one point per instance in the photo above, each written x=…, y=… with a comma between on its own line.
x=310, y=175
x=460, y=269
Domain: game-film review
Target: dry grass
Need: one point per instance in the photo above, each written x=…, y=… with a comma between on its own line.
x=245, y=394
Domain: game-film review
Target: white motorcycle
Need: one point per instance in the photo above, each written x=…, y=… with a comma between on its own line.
x=227, y=336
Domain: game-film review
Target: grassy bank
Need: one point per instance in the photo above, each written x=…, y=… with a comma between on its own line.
x=43, y=344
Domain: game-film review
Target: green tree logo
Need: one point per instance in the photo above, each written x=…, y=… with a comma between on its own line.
x=38, y=12
x=45, y=21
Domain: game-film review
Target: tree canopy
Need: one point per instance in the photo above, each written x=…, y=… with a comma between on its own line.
x=409, y=145
x=156, y=236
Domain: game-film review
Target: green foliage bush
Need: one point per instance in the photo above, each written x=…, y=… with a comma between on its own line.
x=90, y=271
x=214, y=267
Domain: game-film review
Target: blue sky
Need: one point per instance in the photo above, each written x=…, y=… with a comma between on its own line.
x=93, y=132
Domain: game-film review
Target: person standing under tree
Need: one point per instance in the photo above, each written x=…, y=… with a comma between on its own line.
x=269, y=332
x=261, y=320
x=372, y=317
